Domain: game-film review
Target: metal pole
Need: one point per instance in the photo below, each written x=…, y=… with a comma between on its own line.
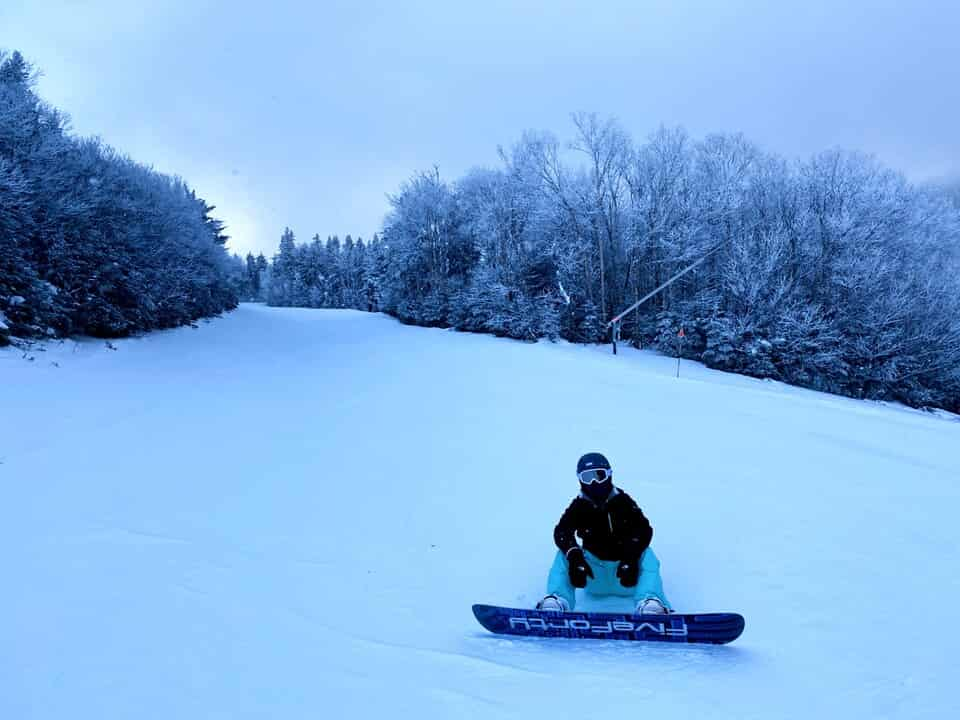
x=669, y=282
x=680, y=338
x=638, y=303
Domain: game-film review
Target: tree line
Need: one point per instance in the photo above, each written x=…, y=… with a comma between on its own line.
x=92, y=242
x=326, y=274
x=833, y=273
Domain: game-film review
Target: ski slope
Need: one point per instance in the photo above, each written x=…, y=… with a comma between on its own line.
x=288, y=513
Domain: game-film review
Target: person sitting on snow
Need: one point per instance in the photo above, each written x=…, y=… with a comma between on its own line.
x=616, y=558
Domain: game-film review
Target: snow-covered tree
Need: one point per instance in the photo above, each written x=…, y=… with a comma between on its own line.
x=90, y=241
x=831, y=273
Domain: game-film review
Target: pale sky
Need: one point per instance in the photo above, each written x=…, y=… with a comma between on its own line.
x=308, y=114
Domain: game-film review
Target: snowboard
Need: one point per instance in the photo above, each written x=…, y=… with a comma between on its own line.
x=714, y=628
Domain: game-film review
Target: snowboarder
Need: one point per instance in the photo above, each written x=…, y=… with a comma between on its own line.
x=616, y=558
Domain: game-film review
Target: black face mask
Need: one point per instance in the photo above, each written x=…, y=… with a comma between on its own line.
x=597, y=491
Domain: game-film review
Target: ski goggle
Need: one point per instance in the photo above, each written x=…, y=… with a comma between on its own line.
x=598, y=475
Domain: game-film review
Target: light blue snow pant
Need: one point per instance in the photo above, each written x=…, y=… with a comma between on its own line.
x=605, y=580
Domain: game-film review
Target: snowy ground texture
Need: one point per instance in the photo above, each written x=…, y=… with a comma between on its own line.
x=288, y=513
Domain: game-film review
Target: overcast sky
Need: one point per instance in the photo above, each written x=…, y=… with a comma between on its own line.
x=308, y=113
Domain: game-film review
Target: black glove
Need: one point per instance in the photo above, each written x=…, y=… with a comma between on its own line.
x=578, y=568
x=628, y=571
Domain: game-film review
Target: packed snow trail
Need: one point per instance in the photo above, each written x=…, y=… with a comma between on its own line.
x=288, y=514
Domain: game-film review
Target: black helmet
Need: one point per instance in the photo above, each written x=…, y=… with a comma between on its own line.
x=595, y=476
x=591, y=461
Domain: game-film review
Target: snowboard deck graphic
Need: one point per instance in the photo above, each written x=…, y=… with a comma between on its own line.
x=713, y=628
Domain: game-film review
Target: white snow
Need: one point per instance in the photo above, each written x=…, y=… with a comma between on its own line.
x=288, y=513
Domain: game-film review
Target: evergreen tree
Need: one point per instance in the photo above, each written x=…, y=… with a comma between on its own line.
x=283, y=271
x=91, y=242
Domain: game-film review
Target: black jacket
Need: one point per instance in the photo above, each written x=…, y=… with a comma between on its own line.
x=616, y=530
